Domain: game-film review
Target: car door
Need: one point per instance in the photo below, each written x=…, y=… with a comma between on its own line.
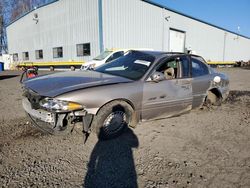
x=168, y=97
x=200, y=82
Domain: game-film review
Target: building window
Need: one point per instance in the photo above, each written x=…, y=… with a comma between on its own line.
x=39, y=54
x=15, y=57
x=83, y=49
x=25, y=56
x=57, y=52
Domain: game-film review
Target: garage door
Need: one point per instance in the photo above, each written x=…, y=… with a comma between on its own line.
x=176, y=41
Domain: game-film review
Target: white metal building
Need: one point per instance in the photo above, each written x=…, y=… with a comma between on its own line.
x=77, y=30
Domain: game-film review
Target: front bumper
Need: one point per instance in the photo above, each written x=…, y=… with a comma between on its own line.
x=56, y=123
x=39, y=114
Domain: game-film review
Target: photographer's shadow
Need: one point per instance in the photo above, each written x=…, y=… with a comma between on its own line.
x=112, y=164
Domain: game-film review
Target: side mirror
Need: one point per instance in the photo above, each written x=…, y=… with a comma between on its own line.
x=157, y=77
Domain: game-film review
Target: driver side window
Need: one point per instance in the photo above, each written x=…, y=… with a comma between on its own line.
x=170, y=69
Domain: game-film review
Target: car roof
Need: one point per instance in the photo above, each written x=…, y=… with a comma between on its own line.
x=127, y=49
x=159, y=54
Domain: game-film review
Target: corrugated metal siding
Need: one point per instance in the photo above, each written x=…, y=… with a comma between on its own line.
x=126, y=24
x=237, y=48
x=208, y=41
x=137, y=24
x=131, y=24
x=63, y=23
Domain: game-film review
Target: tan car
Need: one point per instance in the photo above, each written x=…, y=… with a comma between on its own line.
x=141, y=85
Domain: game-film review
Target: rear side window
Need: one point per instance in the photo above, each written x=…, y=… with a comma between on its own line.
x=198, y=68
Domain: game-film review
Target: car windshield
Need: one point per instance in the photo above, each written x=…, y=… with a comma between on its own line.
x=132, y=65
x=103, y=55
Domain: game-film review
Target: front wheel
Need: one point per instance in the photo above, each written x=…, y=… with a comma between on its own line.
x=113, y=119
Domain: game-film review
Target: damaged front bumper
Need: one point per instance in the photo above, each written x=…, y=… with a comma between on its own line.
x=38, y=114
x=57, y=122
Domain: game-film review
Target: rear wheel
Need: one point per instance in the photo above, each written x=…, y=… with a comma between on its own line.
x=213, y=99
x=72, y=68
x=113, y=119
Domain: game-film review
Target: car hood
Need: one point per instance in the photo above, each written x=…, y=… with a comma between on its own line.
x=55, y=84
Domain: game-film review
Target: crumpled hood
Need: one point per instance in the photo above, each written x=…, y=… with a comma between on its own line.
x=55, y=84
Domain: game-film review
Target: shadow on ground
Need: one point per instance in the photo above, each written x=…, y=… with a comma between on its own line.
x=246, y=67
x=3, y=77
x=111, y=163
x=235, y=96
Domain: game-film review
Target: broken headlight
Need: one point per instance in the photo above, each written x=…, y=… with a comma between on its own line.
x=59, y=105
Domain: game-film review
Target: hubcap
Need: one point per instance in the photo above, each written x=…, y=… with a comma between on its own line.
x=114, y=122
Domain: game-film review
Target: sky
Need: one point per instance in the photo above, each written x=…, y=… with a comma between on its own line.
x=228, y=14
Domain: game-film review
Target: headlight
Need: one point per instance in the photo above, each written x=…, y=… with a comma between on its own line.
x=58, y=105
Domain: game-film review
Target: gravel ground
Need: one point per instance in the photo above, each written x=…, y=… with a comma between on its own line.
x=204, y=148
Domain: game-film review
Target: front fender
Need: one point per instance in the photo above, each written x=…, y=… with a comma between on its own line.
x=94, y=98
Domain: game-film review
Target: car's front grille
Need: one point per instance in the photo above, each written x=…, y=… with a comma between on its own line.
x=33, y=98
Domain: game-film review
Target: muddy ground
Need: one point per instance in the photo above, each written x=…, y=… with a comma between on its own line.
x=205, y=148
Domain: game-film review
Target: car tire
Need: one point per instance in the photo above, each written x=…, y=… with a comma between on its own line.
x=72, y=68
x=113, y=119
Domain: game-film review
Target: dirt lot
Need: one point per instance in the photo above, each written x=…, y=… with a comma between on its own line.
x=205, y=148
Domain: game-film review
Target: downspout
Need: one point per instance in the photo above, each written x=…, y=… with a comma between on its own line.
x=101, y=47
x=224, y=46
x=163, y=28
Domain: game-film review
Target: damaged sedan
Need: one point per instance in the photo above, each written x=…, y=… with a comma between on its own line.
x=141, y=85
